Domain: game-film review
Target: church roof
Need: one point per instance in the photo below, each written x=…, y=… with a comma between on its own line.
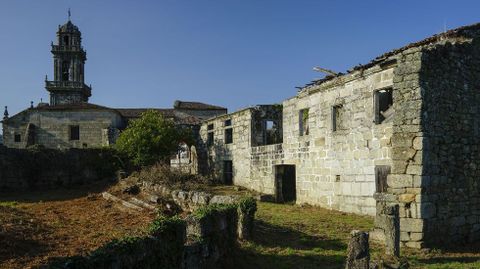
x=76, y=106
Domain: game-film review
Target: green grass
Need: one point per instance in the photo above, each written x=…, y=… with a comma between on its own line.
x=288, y=236
x=8, y=203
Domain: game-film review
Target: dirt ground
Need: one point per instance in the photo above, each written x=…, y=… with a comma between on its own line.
x=36, y=227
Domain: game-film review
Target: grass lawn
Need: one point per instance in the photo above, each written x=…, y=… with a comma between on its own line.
x=288, y=236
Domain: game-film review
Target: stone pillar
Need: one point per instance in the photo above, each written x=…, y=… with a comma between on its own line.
x=358, y=255
x=392, y=231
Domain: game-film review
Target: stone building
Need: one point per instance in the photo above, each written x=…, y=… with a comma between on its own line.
x=402, y=129
x=69, y=121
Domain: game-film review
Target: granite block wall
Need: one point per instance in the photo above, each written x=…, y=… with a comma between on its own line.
x=52, y=128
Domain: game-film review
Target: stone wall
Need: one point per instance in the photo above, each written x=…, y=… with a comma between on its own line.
x=450, y=202
x=52, y=128
x=48, y=168
x=336, y=168
x=263, y=161
x=249, y=128
x=435, y=145
x=214, y=155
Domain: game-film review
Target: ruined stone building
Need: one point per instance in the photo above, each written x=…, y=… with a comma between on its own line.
x=402, y=129
x=69, y=121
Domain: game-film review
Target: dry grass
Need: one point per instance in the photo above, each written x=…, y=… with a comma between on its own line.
x=40, y=226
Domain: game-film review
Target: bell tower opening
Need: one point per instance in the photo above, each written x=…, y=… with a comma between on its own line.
x=65, y=70
x=65, y=40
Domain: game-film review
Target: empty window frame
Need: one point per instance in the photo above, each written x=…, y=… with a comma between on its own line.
x=74, y=132
x=383, y=105
x=303, y=121
x=210, y=135
x=228, y=137
x=17, y=138
x=270, y=132
x=336, y=117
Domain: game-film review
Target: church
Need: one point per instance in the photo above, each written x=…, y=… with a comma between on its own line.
x=69, y=120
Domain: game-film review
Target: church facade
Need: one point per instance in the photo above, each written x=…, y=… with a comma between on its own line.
x=69, y=120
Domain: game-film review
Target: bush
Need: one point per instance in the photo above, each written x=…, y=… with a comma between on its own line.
x=151, y=138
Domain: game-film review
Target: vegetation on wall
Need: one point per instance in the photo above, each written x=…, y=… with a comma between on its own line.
x=151, y=138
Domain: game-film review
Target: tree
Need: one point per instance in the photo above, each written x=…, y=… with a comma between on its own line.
x=151, y=138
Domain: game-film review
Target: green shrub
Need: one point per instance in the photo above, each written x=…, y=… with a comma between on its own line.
x=151, y=138
x=248, y=205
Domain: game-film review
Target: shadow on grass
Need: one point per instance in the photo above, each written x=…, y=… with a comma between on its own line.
x=442, y=260
x=281, y=247
x=245, y=259
x=269, y=235
x=58, y=194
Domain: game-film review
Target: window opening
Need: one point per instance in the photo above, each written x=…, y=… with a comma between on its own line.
x=74, y=132
x=304, y=116
x=383, y=105
x=229, y=136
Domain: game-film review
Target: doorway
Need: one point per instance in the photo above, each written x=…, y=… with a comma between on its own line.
x=285, y=183
x=228, y=172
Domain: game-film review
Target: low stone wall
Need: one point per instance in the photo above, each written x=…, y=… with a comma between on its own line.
x=205, y=239
x=189, y=200
x=47, y=168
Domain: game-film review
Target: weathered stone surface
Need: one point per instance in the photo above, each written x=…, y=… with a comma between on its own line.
x=392, y=231
x=406, y=198
x=358, y=253
x=399, y=181
x=411, y=225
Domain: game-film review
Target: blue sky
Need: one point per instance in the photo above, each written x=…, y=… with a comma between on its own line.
x=233, y=53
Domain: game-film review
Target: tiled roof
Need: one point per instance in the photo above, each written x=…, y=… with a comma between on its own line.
x=195, y=106
x=137, y=112
x=77, y=106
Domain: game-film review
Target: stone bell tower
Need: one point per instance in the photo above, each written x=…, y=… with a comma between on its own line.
x=69, y=58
